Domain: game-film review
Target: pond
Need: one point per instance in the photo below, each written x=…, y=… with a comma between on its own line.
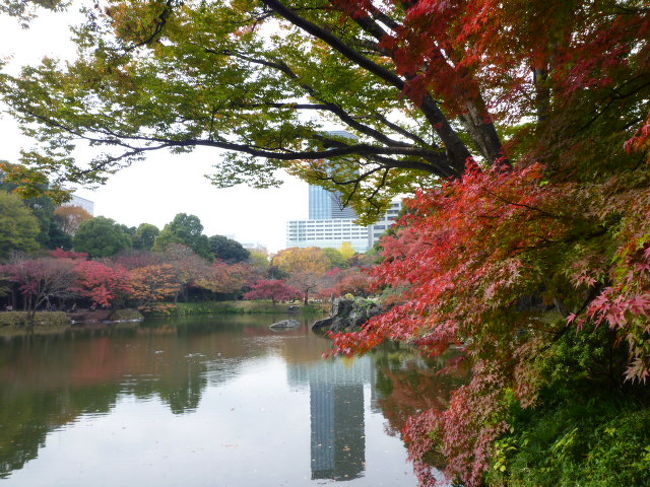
x=204, y=402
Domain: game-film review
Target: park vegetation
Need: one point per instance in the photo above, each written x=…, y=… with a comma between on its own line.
x=113, y=266
x=521, y=131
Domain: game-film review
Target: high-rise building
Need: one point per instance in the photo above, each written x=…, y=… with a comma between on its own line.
x=325, y=204
x=327, y=233
x=331, y=223
x=377, y=230
x=333, y=232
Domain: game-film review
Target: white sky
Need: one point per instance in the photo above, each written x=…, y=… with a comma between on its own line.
x=153, y=191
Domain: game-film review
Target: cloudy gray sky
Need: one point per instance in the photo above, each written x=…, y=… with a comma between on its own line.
x=154, y=190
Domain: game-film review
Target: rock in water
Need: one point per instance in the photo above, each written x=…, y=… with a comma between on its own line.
x=284, y=324
x=348, y=314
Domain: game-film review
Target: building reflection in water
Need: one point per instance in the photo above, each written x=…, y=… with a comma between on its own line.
x=336, y=396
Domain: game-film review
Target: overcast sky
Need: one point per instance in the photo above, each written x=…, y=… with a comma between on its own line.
x=154, y=190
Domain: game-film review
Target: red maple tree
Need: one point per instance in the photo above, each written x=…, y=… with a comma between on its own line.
x=273, y=289
x=104, y=285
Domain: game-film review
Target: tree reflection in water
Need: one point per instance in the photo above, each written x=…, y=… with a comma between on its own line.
x=49, y=382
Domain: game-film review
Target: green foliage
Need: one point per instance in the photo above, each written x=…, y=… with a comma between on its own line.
x=187, y=230
x=336, y=258
x=237, y=307
x=19, y=228
x=587, y=441
x=51, y=234
x=23, y=318
x=145, y=236
x=101, y=237
x=228, y=250
x=217, y=78
x=588, y=428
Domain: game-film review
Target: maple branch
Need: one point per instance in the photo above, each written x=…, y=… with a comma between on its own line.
x=160, y=25
x=458, y=151
x=329, y=106
x=523, y=205
x=377, y=14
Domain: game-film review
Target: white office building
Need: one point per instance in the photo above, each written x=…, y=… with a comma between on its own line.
x=332, y=232
x=377, y=230
x=327, y=233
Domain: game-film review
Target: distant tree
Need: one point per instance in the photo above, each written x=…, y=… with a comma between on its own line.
x=50, y=236
x=227, y=249
x=138, y=258
x=336, y=258
x=273, y=289
x=347, y=251
x=145, y=236
x=153, y=284
x=189, y=267
x=18, y=226
x=130, y=231
x=101, y=237
x=70, y=218
x=305, y=267
x=187, y=230
x=259, y=261
x=103, y=284
x=226, y=278
x=40, y=280
x=339, y=282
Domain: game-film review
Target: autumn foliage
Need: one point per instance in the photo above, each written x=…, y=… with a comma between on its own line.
x=103, y=284
x=502, y=263
x=153, y=284
x=273, y=289
x=142, y=279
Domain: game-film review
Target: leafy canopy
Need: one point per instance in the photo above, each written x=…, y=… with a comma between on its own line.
x=227, y=249
x=101, y=237
x=18, y=226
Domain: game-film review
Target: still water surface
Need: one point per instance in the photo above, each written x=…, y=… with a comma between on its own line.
x=209, y=402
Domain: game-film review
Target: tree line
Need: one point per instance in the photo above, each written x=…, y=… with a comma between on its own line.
x=114, y=266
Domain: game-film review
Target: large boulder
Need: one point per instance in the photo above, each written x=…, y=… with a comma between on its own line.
x=348, y=314
x=285, y=324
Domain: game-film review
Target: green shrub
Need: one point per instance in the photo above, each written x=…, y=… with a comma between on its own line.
x=21, y=318
x=237, y=307
x=589, y=429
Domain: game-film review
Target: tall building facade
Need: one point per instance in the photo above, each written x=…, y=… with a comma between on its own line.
x=332, y=232
x=325, y=205
x=327, y=233
x=331, y=223
x=377, y=230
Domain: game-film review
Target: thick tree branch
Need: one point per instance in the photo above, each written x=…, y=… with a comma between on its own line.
x=457, y=150
x=331, y=107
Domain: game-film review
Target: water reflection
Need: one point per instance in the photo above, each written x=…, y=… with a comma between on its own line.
x=230, y=400
x=336, y=399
